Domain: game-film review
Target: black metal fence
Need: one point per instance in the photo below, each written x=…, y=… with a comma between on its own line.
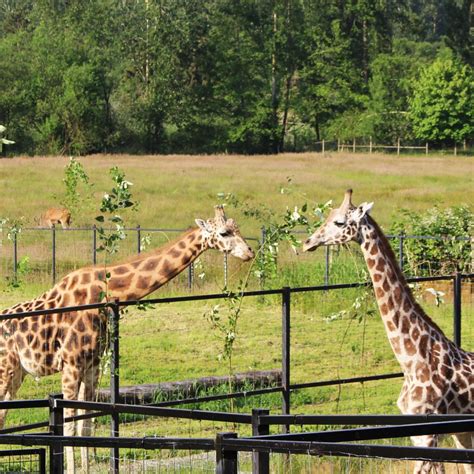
x=23, y=460
x=227, y=446
x=140, y=231
x=345, y=442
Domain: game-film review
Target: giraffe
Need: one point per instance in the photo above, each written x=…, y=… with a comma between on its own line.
x=72, y=343
x=438, y=375
x=54, y=216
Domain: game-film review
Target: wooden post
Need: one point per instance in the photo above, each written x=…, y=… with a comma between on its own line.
x=285, y=356
x=114, y=383
x=226, y=461
x=398, y=146
x=464, y=145
x=426, y=147
x=455, y=149
x=370, y=144
x=354, y=145
x=56, y=428
x=457, y=287
x=139, y=239
x=260, y=460
x=53, y=259
x=338, y=145
x=323, y=146
x=94, y=244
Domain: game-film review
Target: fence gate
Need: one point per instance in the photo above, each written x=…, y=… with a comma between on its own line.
x=23, y=460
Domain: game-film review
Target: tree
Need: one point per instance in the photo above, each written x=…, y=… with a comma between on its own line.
x=390, y=86
x=442, y=105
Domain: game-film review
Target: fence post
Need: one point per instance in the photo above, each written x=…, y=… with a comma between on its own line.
x=190, y=275
x=56, y=428
x=426, y=149
x=226, y=461
x=53, y=264
x=42, y=461
x=263, y=239
x=457, y=307
x=323, y=146
x=285, y=356
x=353, y=145
x=94, y=244
x=139, y=239
x=15, y=255
x=455, y=149
x=398, y=146
x=370, y=144
x=326, y=268
x=401, y=239
x=260, y=460
x=338, y=145
x=226, y=263
x=114, y=383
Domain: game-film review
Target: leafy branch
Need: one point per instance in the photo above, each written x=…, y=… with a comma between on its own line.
x=75, y=177
x=279, y=228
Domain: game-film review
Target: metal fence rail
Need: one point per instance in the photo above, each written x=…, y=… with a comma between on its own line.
x=114, y=408
x=261, y=443
x=54, y=246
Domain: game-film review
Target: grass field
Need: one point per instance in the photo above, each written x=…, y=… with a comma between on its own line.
x=175, y=342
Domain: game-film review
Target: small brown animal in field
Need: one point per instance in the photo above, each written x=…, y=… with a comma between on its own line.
x=54, y=216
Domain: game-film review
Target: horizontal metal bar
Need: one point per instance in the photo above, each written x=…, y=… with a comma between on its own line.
x=20, y=428
x=14, y=404
x=358, y=419
x=156, y=411
x=342, y=449
x=324, y=383
x=204, y=444
x=217, y=296
x=20, y=452
x=384, y=432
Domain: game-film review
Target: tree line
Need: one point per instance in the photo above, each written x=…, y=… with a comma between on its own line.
x=237, y=76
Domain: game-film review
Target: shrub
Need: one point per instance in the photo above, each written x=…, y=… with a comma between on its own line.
x=447, y=251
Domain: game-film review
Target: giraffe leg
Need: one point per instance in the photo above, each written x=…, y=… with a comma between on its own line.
x=70, y=386
x=84, y=427
x=424, y=467
x=11, y=378
x=465, y=441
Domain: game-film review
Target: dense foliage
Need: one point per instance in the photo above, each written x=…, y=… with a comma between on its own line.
x=447, y=248
x=252, y=76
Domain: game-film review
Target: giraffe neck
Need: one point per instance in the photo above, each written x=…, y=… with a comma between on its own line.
x=143, y=275
x=409, y=330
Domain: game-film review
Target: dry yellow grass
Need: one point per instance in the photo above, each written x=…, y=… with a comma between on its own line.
x=175, y=189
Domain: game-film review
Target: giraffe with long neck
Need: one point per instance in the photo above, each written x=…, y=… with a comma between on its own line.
x=438, y=375
x=72, y=343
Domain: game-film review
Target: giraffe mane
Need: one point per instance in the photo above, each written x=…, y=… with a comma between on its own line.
x=387, y=248
x=163, y=249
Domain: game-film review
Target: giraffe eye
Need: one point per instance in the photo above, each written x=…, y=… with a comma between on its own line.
x=339, y=223
x=225, y=233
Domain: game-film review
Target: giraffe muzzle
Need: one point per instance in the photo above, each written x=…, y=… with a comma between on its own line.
x=310, y=245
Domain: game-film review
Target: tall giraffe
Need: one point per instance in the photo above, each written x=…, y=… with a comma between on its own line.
x=439, y=376
x=72, y=343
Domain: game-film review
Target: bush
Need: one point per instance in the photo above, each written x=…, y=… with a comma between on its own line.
x=448, y=252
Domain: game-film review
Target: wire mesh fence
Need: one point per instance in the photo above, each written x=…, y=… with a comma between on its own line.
x=43, y=256
x=23, y=460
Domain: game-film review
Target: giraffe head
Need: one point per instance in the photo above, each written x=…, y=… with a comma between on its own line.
x=341, y=226
x=223, y=234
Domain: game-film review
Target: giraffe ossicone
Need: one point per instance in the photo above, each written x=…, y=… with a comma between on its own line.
x=72, y=343
x=438, y=375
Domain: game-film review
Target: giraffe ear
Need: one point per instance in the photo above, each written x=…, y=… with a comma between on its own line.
x=361, y=211
x=366, y=207
x=203, y=225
